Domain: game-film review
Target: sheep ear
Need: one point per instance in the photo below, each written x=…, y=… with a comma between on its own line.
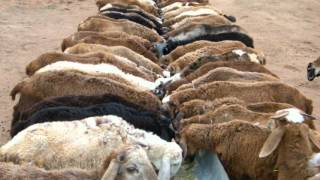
x=280, y=115
x=112, y=171
x=164, y=172
x=314, y=139
x=308, y=116
x=272, y=142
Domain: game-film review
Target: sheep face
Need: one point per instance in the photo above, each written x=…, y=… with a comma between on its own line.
x=88, y=25
x=292, y=138
x=171, y=161
x=313, y=70
x=131, y=163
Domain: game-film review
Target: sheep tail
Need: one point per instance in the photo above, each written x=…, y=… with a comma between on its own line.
x=16, y=90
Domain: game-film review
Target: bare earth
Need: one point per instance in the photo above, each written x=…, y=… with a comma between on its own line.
x=287, y=31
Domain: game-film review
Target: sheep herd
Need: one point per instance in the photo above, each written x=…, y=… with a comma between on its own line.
x=145, y=84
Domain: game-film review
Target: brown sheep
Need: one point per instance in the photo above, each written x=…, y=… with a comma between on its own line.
x=148, y=6
x=209, y=54
x=202, y=31
x=99, y=38
x=219, y=47
x=78, y=36
x=164, y=3
x=227, y=74
x=89, y=58
x=122, y=51
x=64, y=83
x=186, y=8
x=229, y=112
x=196, y=14
x=108, y=24
x=313, y=69
x=185, y=20
x=189, y=74
x=253, y=152
x=119, y=165
x=177, y=5
x=199, y=106
x=248, y=92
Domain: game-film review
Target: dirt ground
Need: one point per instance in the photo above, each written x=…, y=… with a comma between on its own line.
x=287, y=31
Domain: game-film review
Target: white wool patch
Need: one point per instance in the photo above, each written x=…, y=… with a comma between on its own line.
x=294, y=115
x=98, y=69
x=315, y=160
x=166, y=73
x=198, y=12
x=105, y=7
x=239, y=52
x=254, y=58
x=165, y=80
x=199, y=31
x=166, y=99
x=147, y=2
x=176, y=77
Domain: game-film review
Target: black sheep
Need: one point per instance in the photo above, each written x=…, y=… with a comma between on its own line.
x=130, y=9
x=74, y=101
x=132, y=17
x=140, y=119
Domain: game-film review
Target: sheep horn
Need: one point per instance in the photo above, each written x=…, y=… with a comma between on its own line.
x=272, y=142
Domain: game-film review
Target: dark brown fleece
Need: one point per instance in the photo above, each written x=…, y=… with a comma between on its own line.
x=182, y=50
x=122, y=51
x=64, y=83
x=108, y=24
x=238, y=144
x=191, y=74
x=129, y=41
x=228, y=74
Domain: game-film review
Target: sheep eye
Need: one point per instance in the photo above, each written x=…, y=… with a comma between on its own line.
x=176, y=164
x=132, y=169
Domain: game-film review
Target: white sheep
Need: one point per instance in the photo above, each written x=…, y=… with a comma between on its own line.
x=129, y=162
x=86, y=143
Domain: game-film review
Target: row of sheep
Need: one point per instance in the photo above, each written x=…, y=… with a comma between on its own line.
x=92, y=111
x=141, y=73
x=223, y=100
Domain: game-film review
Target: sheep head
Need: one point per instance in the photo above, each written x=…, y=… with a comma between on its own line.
x=313, y=70
x=171, y=161
x=294, y=142
x=130, y=162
